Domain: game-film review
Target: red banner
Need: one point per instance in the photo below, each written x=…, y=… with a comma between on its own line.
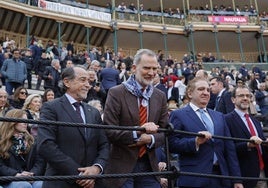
x=228, y=19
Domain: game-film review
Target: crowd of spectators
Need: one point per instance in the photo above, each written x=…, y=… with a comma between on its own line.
x=178, y=11
x=107, y=70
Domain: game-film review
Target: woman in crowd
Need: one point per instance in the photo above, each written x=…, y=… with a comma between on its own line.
x=97, y=104
x=18, y=156
x=48, y=95
x=18, y=98
x=32, y=107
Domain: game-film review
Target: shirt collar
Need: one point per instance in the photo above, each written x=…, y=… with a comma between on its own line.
x=196, y=108
x=240, y=113
x=70, y=98
x=220, y=93
x=140, y=87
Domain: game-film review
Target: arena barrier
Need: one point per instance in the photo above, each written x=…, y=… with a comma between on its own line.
x=172, y=172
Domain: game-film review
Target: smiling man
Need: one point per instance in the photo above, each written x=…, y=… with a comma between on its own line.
x=251, y=155
x=72, y=150
x=136, y=103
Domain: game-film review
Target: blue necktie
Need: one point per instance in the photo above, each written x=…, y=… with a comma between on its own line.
x=207, y=122
x=210, y=127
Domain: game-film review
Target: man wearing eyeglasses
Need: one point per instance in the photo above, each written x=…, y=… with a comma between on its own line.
x=15, y=72
x=252, y=156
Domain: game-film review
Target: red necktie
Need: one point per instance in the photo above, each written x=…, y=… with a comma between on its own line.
x=253, y=133
x=143, y=119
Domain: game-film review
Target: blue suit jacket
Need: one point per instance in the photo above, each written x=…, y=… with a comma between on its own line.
x=201, y=161
x=248, y=157
x=109, y=77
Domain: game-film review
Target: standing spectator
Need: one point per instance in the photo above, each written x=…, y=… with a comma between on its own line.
x=70, y=47
x=18, y=98
x=80, y=58
x=96, y=91
x=32, y=107
x=69, y=56
x=4, y=106
x=40, y=68
x=244, y=72
x=124, y=74
x=203, y=154
x=48, y=95
x=2, y=59
x=172, y=92
x=181, y=87
x=252, y=156
x=18, y=152
x=95, y=65
x=93, y=54
x=28, y=60
x=15, y=72
x=126, y=105
x=262, y=98
x=109, y=76
x=223, y=101
x=255, y=82
x=108, y=55
x=132, y=7
x=36, y=50
x=51, y=77
x=159, y=85
x=72, y=150
x=122, y=6
x=87, y=64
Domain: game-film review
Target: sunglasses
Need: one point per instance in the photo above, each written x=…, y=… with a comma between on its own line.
x=23, y=93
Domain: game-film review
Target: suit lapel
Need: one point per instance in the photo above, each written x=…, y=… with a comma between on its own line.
x=67, y=107
x=193, y=116
x=132, y=106
x=241, y=124
x=153, y=105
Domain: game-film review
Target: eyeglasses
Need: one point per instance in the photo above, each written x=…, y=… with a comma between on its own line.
x=23, y=93
x=244, y=95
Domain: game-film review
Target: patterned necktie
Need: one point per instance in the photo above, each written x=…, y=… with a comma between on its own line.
x=78, y=111
x=78, y=114
x=253, y=133
x=143, y=119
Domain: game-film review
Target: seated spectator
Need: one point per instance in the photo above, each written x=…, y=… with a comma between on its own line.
x=4, y=106
x=18, y=98
x=48, y=95
x=18, y=152
x=32, y=107
x=97, y=104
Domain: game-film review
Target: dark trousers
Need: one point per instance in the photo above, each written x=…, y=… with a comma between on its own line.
x=39, y=81
x=29, y=78
x=213, y=182
x=10, y=86
x=143, y=165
